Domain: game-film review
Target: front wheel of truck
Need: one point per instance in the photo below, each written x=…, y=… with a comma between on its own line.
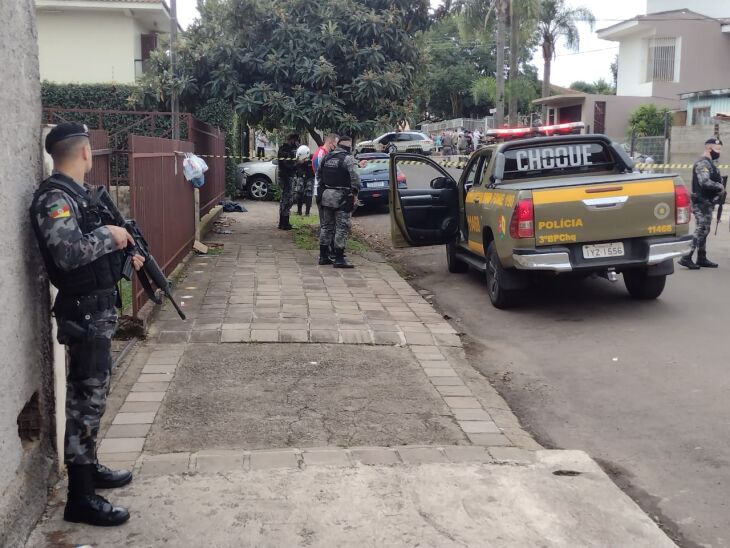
x=642, y=286
x=501, y=298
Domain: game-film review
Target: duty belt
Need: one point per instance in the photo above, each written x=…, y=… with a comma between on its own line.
x=86, y=304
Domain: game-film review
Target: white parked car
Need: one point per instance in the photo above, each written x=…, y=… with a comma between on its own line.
x=398, y=141
x=257, y=180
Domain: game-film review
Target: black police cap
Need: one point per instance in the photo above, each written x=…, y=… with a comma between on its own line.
x=713, y=141
x=65, y=131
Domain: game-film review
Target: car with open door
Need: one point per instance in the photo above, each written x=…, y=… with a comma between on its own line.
x=548, y=204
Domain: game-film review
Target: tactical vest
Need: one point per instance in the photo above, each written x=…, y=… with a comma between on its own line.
x=334, y=172
x=697, y=190
x=101, y=274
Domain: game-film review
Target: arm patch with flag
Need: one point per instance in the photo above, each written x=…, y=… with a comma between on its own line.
x=59, y=210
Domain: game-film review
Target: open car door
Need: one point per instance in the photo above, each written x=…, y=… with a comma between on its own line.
x=426, y=213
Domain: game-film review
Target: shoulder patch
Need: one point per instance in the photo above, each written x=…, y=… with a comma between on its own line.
x=59, y=210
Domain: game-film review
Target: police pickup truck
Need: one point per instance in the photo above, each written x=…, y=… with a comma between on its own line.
x=545, y=203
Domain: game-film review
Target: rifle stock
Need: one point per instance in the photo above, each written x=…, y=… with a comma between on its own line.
x=150, y=273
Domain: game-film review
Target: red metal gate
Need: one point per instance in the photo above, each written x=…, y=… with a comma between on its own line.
x=210, y=143
x=162, y=201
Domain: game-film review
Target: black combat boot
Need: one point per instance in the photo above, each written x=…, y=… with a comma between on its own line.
x=340, y=261
x=84, y=506
x=703, y=261
x=688, y=262
x=105, y=478
x=324, y=256
x=284, y=223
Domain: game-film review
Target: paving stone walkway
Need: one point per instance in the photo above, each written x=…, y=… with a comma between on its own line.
x=261, y=289
x=484, y=480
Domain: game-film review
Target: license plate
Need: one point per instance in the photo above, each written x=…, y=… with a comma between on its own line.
x=377, y=184
x=603, y=251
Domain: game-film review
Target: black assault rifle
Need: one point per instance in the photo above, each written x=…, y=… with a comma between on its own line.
x=150, y=273
x=722, y=202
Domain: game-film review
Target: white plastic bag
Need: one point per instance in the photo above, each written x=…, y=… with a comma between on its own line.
x=193, y=169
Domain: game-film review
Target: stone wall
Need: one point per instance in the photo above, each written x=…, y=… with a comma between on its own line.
x=688, y=143
x=25, y=375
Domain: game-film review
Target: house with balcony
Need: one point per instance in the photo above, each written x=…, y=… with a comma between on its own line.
x=98, y=41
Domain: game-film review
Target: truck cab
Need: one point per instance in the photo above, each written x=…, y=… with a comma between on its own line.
x=548, y=205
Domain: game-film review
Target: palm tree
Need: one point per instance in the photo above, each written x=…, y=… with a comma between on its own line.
x=556, y=21
x=522, y=20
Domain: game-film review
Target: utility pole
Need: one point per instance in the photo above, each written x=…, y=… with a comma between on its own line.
x=173, y=99
x=499, y=99
x=514, y=30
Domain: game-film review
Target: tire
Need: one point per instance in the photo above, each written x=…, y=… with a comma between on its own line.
x=454, y=264
x=501, y=298
x=392, y=149
x=643, y=287
x=259, y=188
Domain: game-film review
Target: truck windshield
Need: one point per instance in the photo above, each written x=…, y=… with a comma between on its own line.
x=557, y=159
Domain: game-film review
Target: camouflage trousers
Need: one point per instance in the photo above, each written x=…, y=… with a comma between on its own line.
x=286, y=184
x=702, y=211
x=87, y=387
x=335, y=225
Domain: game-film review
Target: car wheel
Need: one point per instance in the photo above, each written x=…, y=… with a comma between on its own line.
x=643, y=287
x=392, y=149
x=259, y=188
x=499, y=296
x=454, y=264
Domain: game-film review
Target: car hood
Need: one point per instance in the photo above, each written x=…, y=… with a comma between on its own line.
x=256, y=166
x=365, y=143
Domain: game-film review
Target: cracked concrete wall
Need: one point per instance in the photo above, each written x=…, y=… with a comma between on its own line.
x=25, y=466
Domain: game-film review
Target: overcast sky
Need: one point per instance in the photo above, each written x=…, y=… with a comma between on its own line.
x=590, y=63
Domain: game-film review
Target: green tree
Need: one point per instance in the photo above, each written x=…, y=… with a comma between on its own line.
x=600, y=87
x=331, y=64
x=648, y=121
x=557, y=21
x=451, y=66
x=522, y=25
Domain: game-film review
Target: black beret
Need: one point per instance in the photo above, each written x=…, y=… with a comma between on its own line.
x=65, y=131
x=345, y=138
x=713, y=141
x=292, y=136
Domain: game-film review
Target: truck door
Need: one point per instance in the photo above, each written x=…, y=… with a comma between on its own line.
x=427, y=212
x=473, y=185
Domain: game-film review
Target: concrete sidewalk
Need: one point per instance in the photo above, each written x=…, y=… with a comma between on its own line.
x=305, y=405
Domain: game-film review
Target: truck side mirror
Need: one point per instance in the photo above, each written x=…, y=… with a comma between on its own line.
x=275, y=162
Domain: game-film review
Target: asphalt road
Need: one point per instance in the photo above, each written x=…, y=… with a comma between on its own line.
x=644, y=387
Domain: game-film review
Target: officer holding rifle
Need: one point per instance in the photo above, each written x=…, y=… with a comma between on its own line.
x=84, y=257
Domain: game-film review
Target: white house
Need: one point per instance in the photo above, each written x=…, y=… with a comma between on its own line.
x=98, y=41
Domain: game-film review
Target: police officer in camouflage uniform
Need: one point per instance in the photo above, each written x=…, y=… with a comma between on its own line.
x=285, y=174
x=84, y=259
x=339, y=184
x=707, y=190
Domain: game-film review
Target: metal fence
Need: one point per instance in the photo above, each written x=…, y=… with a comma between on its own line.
x=100, y=174
x=162, y=202
x=210, y=143
x=648, y=147
x=482, y=124
x=119, y=125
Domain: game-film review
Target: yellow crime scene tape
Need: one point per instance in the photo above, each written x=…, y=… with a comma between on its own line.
x=445, y=163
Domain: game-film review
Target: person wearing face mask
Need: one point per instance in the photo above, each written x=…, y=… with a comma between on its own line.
x=707, y=190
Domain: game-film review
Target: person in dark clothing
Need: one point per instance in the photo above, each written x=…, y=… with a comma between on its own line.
x=286, y=172
x=707, y=190
x=84, y=257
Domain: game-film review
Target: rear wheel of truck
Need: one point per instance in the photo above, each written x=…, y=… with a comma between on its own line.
x=501, y=298
x=642, y=286
x=455, y=265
